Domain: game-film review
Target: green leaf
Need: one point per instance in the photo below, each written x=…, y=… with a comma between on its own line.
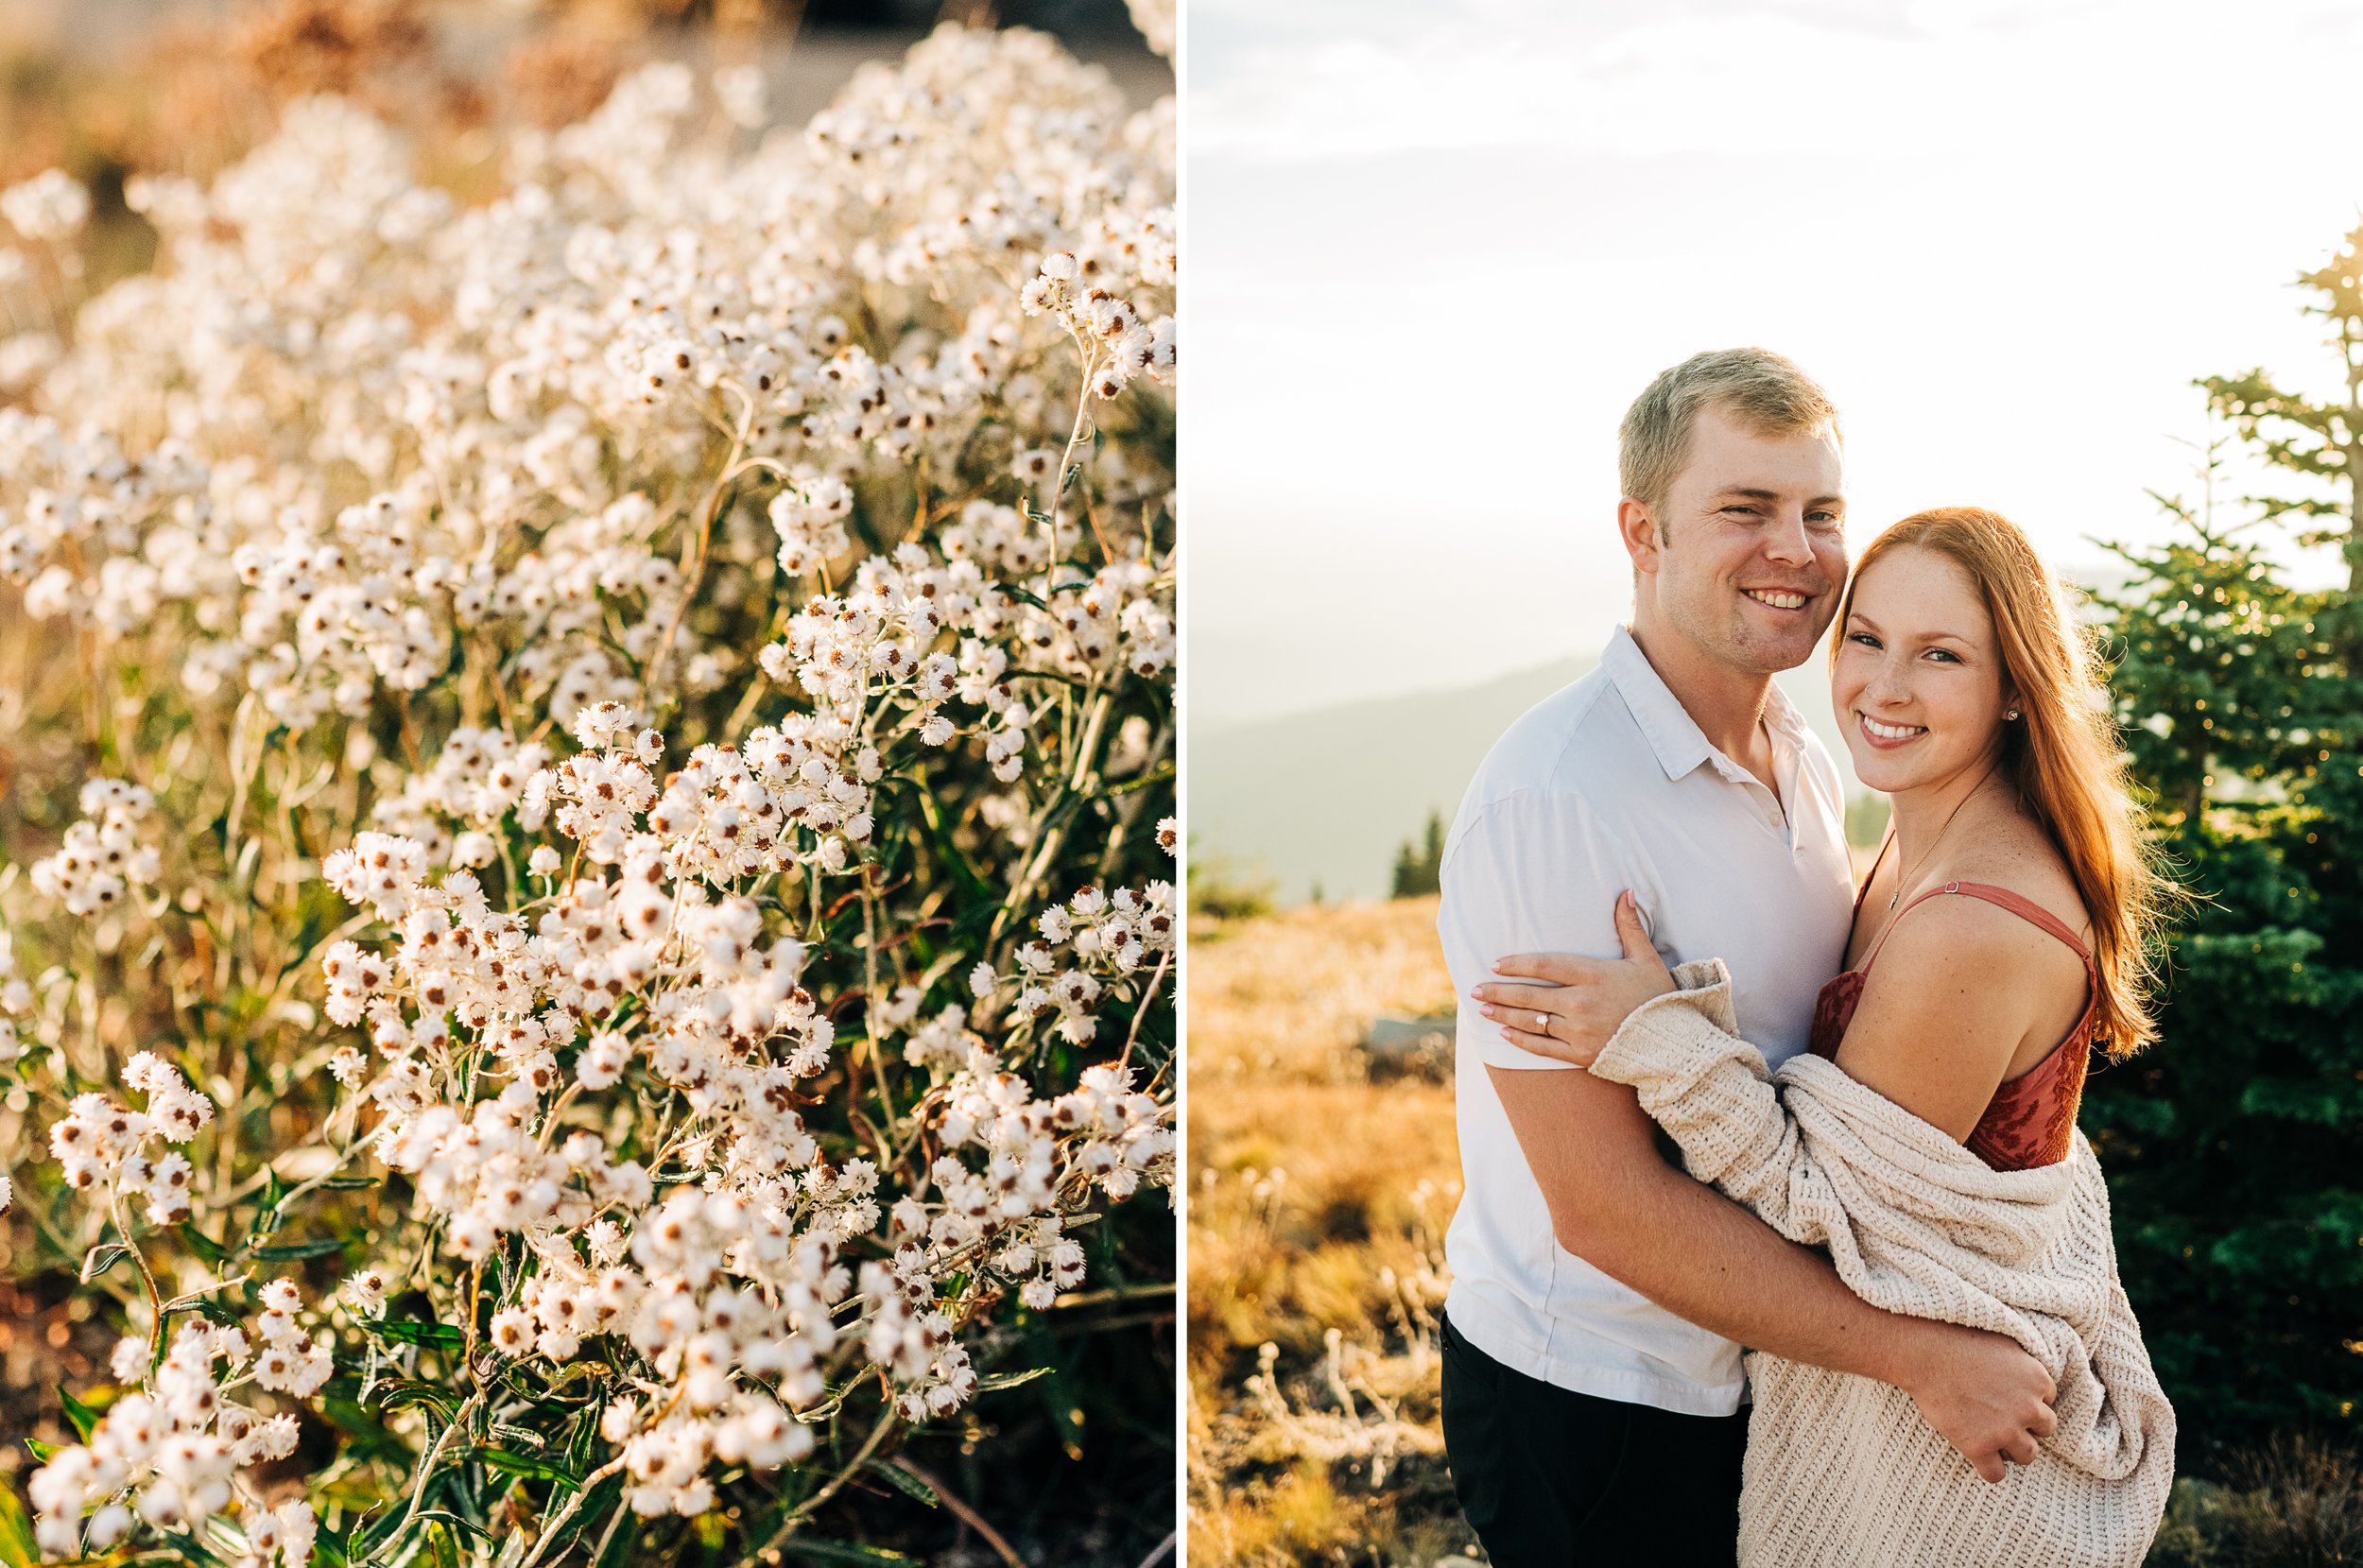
x=42, y=1451
x=188, y=1548
x=364, y=1433
x=442, y=1337
x=579, y=1439
x=296, y=1251
x=444, y=1516
x=407, y=1393
x=16, y=1532
x=81, y=1415
x=1010, y=1379
x=202, y=1245
x=821, y=1549
x=351, y=1184
x=214, y=1309
x=620, y=1544
x=905, y=1482
x=509, y=1463
x=266, y=1216
x=101, y=1258
x=332, y=1546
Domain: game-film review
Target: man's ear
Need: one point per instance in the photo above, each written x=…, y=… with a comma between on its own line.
x=1638, y=526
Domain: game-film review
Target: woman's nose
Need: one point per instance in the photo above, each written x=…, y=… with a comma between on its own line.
x=1888, y=687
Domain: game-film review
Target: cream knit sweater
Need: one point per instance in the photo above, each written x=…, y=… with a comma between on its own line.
x=1841, y=1469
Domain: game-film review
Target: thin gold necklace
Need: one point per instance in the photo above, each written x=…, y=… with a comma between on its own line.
x=1903, y=876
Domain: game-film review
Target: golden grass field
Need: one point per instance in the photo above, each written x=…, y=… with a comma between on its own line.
x=1316, y=1213
x=1318, y=1204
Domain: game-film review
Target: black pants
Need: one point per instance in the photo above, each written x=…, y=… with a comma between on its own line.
x=1555, y=1479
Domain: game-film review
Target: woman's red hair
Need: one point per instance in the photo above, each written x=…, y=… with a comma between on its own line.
x=2062, y=752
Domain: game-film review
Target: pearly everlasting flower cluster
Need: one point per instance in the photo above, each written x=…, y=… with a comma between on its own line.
x=1155, y=19
x=642, y=647
x=1118, y=344
x=16, y=1003
x=726, y=1284
x=476, y=369
x=1084, y=942
x=104, y=855
x=173, y=1454
x=51, y=207
x=452, y=808
x=106, y=1148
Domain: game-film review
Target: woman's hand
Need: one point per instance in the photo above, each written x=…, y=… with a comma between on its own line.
x=1587, y=999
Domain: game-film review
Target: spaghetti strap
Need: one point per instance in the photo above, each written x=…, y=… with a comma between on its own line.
x=2017, y=903
x=2026, y=909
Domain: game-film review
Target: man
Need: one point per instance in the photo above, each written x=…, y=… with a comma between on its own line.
x=1592, y=1384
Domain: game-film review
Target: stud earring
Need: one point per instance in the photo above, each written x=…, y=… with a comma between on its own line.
x=2012, y=713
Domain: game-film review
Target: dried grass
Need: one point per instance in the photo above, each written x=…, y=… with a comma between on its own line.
x=1316, y=1213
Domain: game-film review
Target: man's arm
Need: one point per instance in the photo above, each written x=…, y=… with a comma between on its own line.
x=1617, y=1203
x=1532, y=873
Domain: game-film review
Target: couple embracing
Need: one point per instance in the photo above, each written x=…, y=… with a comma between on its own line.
x=1839, y=1131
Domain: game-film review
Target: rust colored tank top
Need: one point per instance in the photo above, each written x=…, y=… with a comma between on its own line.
x=2031, y=1119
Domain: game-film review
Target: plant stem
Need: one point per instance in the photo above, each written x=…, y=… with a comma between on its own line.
x=768, y=1555
x=965, y=1514
x=1148, y=996
x=573, y=1506
x=694, y=569
x=426, y=1469
x=155, y=1297
x=1066, y=455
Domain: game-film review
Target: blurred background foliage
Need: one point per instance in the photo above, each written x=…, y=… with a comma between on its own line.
x=2234, y=1146
x=104, y=89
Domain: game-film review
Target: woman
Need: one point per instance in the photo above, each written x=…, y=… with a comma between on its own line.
x=1928, y=1139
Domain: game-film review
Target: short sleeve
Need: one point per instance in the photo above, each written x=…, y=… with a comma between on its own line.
x=1529, y=872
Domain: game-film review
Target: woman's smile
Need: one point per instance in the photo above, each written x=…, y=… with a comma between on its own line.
x=1888, y=736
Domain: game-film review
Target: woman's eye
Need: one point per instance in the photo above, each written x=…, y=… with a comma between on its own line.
x=1865, y=638
x=1940, y=653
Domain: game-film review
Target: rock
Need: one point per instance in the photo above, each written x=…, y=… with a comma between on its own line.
x=1409, y=1048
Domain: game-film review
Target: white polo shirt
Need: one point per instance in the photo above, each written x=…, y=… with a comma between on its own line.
x=1607, y=784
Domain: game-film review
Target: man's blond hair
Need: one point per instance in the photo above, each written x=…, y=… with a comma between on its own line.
x=1761, y=391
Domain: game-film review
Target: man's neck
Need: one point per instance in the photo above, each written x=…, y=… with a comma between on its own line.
x=1727, y=704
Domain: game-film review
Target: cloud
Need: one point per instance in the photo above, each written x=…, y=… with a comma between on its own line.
x=1435, y=249
x=1813, y=77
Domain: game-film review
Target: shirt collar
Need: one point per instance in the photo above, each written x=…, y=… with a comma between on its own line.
x=1673, y=734
x=1782, y=717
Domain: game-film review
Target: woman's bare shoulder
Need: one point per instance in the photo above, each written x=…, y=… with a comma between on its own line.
x=1968, y=941
x=1954, y=993
x=1980, y=963
x=2019, y=857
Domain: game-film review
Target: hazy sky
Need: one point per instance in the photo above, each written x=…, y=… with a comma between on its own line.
x=1434, y=248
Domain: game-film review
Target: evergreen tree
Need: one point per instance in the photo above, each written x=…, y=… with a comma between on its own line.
x=2234, y=1145
x=1420, y=869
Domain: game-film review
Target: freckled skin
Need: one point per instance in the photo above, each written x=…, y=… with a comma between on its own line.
x=1919, y=651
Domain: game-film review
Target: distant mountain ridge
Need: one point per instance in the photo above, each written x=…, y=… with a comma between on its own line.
x=1322, y=800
